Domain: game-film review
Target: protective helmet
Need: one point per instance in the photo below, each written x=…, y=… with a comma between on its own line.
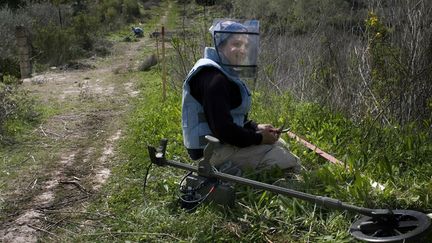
x=237, y=44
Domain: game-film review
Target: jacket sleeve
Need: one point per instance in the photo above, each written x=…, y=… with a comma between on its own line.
x=249, y=124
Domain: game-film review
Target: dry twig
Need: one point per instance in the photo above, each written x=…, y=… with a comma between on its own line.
x=133, y=233
x=40, y=229
x=53, y=211
x=32, y=184
x=40, y=127
x=75, y=183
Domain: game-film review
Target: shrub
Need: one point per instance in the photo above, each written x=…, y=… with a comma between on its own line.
x=130, y=10
x=84, y=29
x=8, y=21
x=9, y=66
x=55, y=44
x=16, y=109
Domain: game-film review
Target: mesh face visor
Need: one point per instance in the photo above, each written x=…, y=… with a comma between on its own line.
x=237, y=45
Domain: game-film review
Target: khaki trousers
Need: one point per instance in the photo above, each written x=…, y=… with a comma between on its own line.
x=257, y=157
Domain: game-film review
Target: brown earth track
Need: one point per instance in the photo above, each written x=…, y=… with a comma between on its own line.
x=81, y=141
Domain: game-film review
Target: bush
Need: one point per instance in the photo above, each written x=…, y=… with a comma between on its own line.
x=16, y=109
x=43, y=14
x=56, y=45
x=9, y=66
x=84, y=29
x=61, y=32
x=130, y=10
x=8, y=21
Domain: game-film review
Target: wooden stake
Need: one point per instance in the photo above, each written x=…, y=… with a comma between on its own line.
x=163, y=65
x=157, y=48
x=23, y=51
x=314, y=148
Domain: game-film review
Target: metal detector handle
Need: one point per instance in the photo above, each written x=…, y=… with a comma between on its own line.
x=162, y=148
x=204, y=166
x=157, y=156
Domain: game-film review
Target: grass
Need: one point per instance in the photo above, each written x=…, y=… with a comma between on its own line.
x=157, y=13
x=173, y=17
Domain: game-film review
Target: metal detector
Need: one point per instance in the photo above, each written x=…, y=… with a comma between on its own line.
x=377, y=225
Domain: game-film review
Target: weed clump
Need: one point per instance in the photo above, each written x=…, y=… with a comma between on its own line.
x=16, y=109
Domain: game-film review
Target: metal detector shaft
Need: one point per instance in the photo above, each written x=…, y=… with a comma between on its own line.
x=157, y=156
x=324, y=201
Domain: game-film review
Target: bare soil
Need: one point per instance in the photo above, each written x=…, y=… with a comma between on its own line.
x=73, y=151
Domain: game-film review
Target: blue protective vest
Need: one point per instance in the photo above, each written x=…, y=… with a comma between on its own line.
x=194, y=123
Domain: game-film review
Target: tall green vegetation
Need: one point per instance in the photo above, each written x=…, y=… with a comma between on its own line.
x=365, y=58
x=16, y=110
x=61, y=30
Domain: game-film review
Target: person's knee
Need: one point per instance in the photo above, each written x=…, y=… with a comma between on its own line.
x=292, y=164
x=285, y=159
x=295, y=167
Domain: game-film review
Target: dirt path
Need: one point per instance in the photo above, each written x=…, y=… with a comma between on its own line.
x=75, y=148
x=70, y=155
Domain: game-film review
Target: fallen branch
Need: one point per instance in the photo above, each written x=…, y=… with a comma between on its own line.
x=267, y=239
x=32, y=184
x=75, y=183
x=133, y=233
x=40, y=127
x=40, y=229
x=55, y=134
x=22, y=162
x=52, y=224
x=48, y=132
x=53, y=211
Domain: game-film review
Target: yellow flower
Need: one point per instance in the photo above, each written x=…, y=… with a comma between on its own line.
x=372, y=20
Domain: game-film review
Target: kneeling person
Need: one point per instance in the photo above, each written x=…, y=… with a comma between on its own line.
x=216, y=101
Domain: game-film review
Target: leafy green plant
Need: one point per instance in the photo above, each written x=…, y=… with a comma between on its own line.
x=16, y=109
x=85, y=28
x=55, y=44
x=9, y=66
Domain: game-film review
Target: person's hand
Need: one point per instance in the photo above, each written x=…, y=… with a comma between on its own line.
x=268, y=137
x=262, y=127
x=269, y=134
x=268, y=127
